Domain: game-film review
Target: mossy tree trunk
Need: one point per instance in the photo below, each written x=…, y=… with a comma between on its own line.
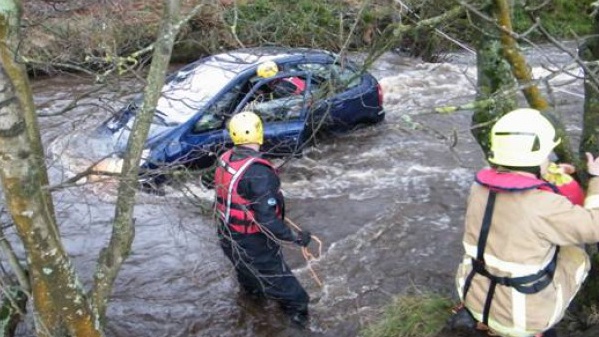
x=589, y=52
x=501, y=67
x=494, y=78
x=61, y=307
x=503, y=13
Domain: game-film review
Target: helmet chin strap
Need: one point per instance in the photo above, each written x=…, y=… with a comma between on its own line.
x=253, y=146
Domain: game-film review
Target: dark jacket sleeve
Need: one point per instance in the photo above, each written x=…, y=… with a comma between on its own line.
x=260, y=185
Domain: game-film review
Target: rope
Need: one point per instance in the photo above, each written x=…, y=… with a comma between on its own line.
x=307, y=254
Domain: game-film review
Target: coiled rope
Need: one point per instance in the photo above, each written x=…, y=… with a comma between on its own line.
x=307, y=254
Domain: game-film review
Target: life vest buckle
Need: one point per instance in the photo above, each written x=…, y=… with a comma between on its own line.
x=478, y=265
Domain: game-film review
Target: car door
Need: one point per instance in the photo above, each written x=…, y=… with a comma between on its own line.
x=351, y=100
x=339, y=98
x=207, y=136
x=283, y=115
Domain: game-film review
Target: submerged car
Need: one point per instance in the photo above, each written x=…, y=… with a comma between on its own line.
x=323, y=92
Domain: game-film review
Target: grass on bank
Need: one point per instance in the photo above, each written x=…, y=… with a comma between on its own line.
x=101, y=31
x=563, y=19
x=412, y=315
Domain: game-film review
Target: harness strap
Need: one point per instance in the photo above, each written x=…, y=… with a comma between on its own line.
x=486, y=226
x=529, y=284
x=482, y=239
x=488, y=301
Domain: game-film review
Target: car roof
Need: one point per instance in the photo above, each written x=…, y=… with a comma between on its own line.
x=239, y=60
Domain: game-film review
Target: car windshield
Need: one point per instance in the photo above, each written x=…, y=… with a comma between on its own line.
x=189, y=90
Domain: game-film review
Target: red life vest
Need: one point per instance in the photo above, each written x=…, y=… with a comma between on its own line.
x=511, y=182
x=298, y=83
x=232, y=208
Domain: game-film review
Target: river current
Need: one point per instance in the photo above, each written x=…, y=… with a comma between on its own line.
x=387, y=201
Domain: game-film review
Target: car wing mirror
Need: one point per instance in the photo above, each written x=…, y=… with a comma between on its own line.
x=209, y=122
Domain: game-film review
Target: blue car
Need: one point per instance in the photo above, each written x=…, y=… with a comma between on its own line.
x=313, y=90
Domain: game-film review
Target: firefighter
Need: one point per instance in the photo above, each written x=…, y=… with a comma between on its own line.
x=250, y=210
x=523, y=236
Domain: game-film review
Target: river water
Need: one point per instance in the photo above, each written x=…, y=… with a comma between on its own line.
x=387, y=201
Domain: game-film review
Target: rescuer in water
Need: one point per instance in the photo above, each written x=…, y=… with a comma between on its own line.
x=250, y=209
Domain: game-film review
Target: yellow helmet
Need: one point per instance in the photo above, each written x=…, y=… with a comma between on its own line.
x=267, y=69
x=522, y=138
x=246, y=128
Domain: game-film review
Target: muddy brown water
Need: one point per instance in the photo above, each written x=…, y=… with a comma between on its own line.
x=387, y=201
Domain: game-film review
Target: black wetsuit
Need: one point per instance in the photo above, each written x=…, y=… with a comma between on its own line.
x=257, y=258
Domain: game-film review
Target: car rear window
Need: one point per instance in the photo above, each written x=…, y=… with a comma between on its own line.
x=189, y=90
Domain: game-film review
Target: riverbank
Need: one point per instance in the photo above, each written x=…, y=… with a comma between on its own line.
x=88, y=34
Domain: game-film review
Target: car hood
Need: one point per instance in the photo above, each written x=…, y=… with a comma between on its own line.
x=111, y=140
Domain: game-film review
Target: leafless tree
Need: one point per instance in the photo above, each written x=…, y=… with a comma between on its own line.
x=53, y=284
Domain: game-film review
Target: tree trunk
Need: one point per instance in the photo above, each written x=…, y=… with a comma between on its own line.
x=494, y=78
x=500, y=68
x=112, y=257
x=60, y=305
x=521, y=71
x=589, y=52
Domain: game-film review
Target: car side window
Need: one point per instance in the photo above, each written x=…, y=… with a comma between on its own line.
x=331, y=78
x=347, y=77
x=207, y=122
x=215, y=114
x=277, y=101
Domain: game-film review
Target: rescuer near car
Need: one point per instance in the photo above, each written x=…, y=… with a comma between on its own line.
x=523, y=261
x=282, y=87
x=250, y=213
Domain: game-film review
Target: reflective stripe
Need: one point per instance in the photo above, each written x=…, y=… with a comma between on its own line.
x=592, y=201
x=513, y=268
x=581, y=274
x=519, y=310
x=232, y=185
x=559, y=305
x=226, y=166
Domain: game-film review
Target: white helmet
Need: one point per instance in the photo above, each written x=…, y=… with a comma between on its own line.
x=522, y=138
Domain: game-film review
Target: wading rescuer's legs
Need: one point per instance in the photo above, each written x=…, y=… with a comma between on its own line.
x=262, y=270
